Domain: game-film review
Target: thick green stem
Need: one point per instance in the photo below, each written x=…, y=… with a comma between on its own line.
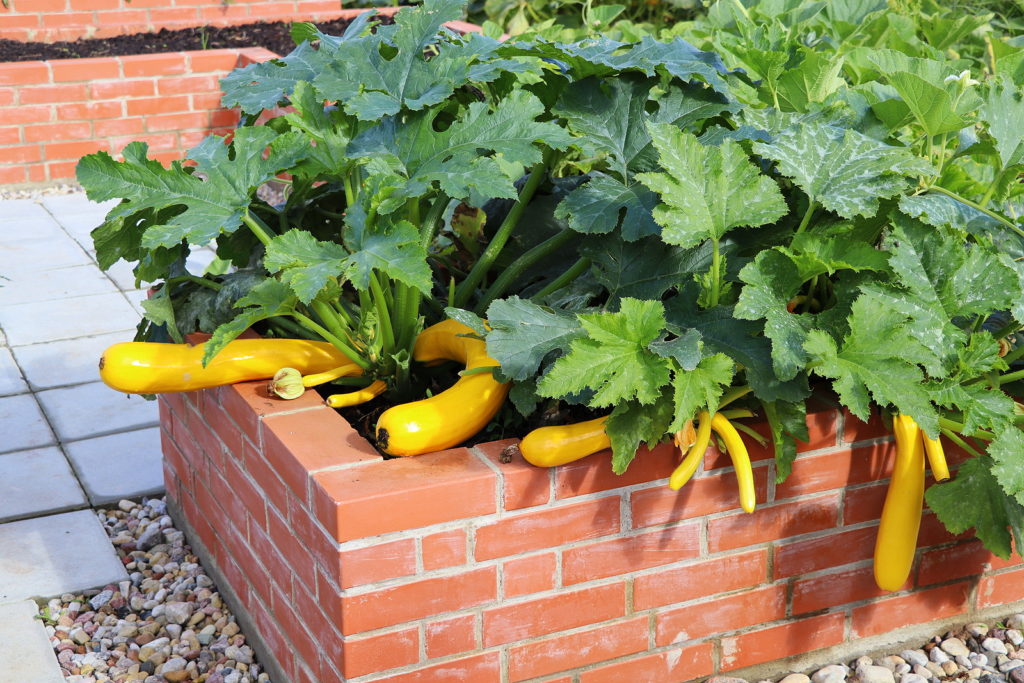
x=338, y=343
x=734, y=394
x=1014, y=354
x=330, y=319
x=807, y=217
x=384, y=317
x=497, y=243
x=1011, y=377
x=524, y=262
x=958, y=427
x=979, y=207
x=716, y=275
x=216, y=286
x=564, y=279
x=259, y=228
x=291, y=327
x=955, y=438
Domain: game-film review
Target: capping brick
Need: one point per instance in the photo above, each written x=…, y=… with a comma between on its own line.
x=162, y=64
x=375, y=653
x=450, y=636
x=84, y=69
x=776, y=642
x=248, y=402
x=24, y=73
x=680, y=664
x=772, y=523
x=701, y=496
x=403, y=493
x=540, y=616
x=631, y=553
x=559, y=653
x=524, y=484
x=721, y=615
x=416, y=600
x=719, y=575
x=547, y=528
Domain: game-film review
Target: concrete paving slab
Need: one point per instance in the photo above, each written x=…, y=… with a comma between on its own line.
x=11, y=381
x=82, y=316
x=30, y=230
x=20, y=209
x=77, y=215
x=25, y=650
x=48, y=285
x=122, y=275
x=22, y=424
x=35, y=482
x=95, y=409
x=125, y=465
x=32, y=255
x=70, y=361
x=47, y=556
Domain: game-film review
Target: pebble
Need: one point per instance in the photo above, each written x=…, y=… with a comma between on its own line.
x=955, y=647
x=166, y=624
x=994, y=645
x=913, y=678
x=796, y=678
x=917, y=657
x=833, y=673
x=869, y=673
x=937, y=655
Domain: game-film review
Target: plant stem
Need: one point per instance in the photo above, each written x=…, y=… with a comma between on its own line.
x=807, y=217
x=734, y=394
x=979, y=207
x=384, y=317
x=497, y=243
x=1011, y=377
x=524, y=262
x=259, y=228
x=338, y=343
x=992, y=187
x=216, y=286
x=955, y=438
x=1014, y=354
x=958, y=427
x=330, y=319
x=716, y=267
x=564, y=279
x=291, y=327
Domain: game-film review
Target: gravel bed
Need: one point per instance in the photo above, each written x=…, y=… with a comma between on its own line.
x=38, y=191
x=166, y=624
x=976, y=652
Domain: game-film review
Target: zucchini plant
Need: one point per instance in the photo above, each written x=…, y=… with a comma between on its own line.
x=776, y=203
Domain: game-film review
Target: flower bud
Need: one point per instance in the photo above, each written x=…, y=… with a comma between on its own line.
x=287, y=384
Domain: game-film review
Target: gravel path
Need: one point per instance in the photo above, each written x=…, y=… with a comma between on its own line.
x=167, y=624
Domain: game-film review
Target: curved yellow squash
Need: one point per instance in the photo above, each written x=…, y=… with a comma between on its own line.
x=561, y=444
x=151, y=368
x=455, y=414
x=901, y=513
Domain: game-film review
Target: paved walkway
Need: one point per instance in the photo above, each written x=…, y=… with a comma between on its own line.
x=67, y=442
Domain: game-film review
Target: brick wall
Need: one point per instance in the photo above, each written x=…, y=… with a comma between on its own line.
x=52, y=20
x=54, y=112
x=457, y=566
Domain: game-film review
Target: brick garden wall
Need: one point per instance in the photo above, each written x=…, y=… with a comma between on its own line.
x=457, y=566
x=54, y=112
x=52, y=20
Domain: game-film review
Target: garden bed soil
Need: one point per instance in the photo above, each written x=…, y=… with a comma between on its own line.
x=274, y=36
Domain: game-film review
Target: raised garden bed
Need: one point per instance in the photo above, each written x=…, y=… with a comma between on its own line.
x=414, y=569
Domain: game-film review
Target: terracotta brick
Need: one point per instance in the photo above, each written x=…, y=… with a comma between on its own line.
x=298, y=444
x=284, y=539
x=594, y=473
x=781, y=641
x=957, y=562
x=631, y=553
x=223, y=13
x=569, y=609
x=450, y=636
x=404, y=493
x=444, y=549
x=835, y=588
x=122, y=88
x=95, y=4
x=315, y=6
x=53, y=94
x=7, y=96
x=703, y=496
x=48, y=132
x=206, y=101
x=855, y=429
x=671, y=665
x=263, y=475
x=87, y=69
x=177, y=461
x=150, y=106
x=9, y=23
x=719, y=575
x=933, y=532
x=1001, y=588
x=213, y=60
x=272, y=636
x=715, y=459
x=227, y=431
x=24, y=73
x=71, y=20
x=838, y=469
x=523, y=484
x=10, y=136
x=26, y=114
x=220, y=118
x=277, y=568
x=248, y=402
x=185, y=85
x=12, y=174
x=773, y=522
x=61, y=169
x=21, y=154
x=380, y=652
x=530, y=574
x=835, y=549
x=417, y=599
x=482, y=667
x=163, y=64
x=242, y=486
x=377, y=562
x=559, y=653
x=935, y=603
x=713, y=617
x=91, y=111
x=534, y=530
x=184, y=121
x=864, y=503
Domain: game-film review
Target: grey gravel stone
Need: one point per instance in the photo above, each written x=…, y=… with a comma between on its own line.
x=1011, y=664
x=937, y=655
x=915, y=657
x=833, y=673
x=955, y=647
x=1017, y=675
x=977, y=629
x=869, y=673
x=1014, y=636
x=994, y=645
x=913, y=678
x=796, y=678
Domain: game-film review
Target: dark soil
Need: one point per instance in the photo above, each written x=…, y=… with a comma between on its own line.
x=274, y=36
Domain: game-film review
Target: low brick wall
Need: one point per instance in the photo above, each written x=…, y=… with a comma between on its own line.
x=53, y=20
x=458, y=566
x=54, y=112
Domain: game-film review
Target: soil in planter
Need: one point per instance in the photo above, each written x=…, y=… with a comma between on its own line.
x=274, y=36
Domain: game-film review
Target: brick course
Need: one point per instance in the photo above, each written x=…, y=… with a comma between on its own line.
x=464, y=567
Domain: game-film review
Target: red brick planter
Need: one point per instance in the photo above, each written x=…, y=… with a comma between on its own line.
x=457, y=566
